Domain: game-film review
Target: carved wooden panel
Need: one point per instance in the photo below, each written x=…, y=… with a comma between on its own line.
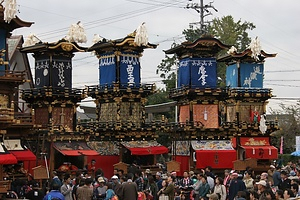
x=207, y=115
x=63, y=116
x=131, y=111
x=230, y=114
x=108, y=112
x=184, y=113
x=4, y=103
x=41, y=116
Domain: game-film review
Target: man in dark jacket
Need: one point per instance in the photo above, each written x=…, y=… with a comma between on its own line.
x=129, y=190
x=285, y=182
x=235, y=185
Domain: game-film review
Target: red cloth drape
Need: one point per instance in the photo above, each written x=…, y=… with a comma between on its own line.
x=261, y=152
x=217, y=159
x=184, y=164
x=105, y=163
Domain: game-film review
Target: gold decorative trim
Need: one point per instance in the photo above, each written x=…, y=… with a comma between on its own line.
x=66, y=46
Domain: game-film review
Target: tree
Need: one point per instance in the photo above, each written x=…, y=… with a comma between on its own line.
x=288, y=119
x=225, y=29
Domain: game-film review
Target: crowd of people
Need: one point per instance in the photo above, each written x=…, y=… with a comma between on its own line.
x=279, y=183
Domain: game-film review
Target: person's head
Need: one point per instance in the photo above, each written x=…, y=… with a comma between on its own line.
x=268, y=194
x=55, y=186
x=129, y=176
x=264, y=176
x=288, y=193
x=234, y=175
x=164, y=183
x=114, y=179
x=279, y=194
x=208, y=168
x=226, y=172
x=170, y=179
x=185, y=174
x=115, y=171
x=158, y=175
x=283, y=174
x=93, y=162
x=295, y=188
x=213, y=197
x=67, y=178
x=88, y=181
x=151, y=179
x=247, y=174
x=101, y=180
x=261, y=185
x=253, y=194
x=199, y=176
x=123, y=179
x=219, y=180
x=204, y=179
x=121, y=172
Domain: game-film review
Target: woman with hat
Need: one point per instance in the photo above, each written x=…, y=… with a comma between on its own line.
x=100, y=191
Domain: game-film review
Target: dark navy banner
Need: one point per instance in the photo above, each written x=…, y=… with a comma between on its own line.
x=42, y=73
x=2, y=46
x=107, y=69
x=130, y=70
x=203, y=72
x=232, y=76
x=184, y=74
x=61, y=72
x=251, y=75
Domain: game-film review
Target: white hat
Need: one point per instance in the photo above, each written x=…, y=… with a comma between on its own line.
x=272, y=166
x=158, y=174
x=101, y=180
x=147, y=171
x=262, y=182
x=114, y=177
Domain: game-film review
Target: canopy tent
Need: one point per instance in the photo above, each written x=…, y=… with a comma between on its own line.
x=74, y=149
x=295, y=153
x=6, y=158
x=258, y=147
x=218, y=154
x=145, y=147
x=20, y=152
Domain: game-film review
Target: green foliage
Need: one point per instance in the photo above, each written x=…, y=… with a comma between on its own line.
x=161, y=96
x=230, y=32
x=288, y=119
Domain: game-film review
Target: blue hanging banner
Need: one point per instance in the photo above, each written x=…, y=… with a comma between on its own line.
x=184, y=74
x=251, y=75
x=203, y=72
x=232, y=76
x=107, y=69
x=2, y=46
x=130, y=69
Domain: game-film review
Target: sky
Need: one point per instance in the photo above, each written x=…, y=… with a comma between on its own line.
x=276, y=23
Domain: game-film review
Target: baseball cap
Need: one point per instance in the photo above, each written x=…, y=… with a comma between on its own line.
x=262, y=182
x=114, y=177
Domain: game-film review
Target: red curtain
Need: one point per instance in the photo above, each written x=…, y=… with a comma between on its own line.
x=261, y=152
x=184, y=164
x=216, y=159
x=148, y=150
x=105, y=163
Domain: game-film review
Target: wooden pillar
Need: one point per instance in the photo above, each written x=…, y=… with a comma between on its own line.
x=51, y=159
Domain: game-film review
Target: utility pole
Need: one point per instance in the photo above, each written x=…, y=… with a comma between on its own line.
x=203, y=11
